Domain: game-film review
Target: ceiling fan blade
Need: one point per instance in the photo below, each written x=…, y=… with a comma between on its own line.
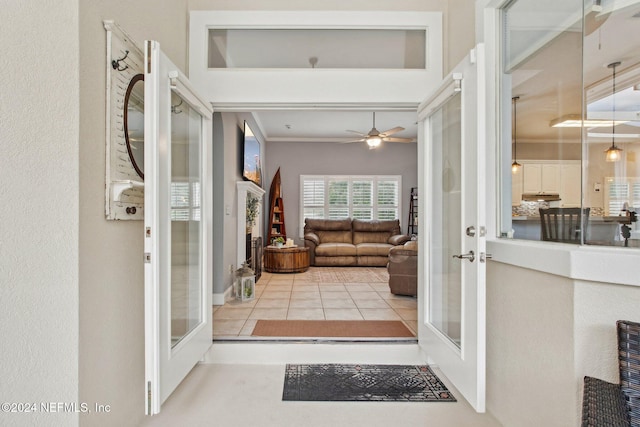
x=350, y=141
x=392, y=131
x=356, y=132
x=398, y=140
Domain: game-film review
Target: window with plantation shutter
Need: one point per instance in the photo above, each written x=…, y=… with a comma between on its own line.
x=185, y=201
x=355, y=196
x=619, y=191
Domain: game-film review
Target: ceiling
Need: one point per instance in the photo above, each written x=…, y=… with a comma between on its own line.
x=547, y=82
x=332, y=126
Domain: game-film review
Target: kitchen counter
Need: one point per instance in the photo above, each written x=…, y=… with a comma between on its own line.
x=601, y=228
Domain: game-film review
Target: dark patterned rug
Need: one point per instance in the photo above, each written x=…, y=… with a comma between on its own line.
x=378, y=383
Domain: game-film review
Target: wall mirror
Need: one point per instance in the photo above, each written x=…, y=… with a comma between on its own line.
x=134, y=122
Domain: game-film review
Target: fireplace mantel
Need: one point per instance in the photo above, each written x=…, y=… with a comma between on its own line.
x=244, y=188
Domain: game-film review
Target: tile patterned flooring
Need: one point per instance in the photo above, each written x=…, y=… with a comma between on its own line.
x=321, y=293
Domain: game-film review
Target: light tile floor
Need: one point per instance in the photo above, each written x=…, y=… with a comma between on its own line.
x=317, y=294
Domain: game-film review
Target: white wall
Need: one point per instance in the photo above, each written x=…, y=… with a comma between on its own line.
x=39, y=207
x=111, y=269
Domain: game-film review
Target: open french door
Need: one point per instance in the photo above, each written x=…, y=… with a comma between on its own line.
x=452, y=150
x=178, y=129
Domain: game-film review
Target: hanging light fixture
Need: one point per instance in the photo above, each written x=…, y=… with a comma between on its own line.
x=613, y=153
x=515, y=166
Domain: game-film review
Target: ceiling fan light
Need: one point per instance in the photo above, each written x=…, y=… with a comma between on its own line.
x=373, y=141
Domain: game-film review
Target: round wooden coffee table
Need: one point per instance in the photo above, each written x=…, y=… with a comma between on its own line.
x=286, y=260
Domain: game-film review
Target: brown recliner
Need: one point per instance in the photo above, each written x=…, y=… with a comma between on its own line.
x=403, y=269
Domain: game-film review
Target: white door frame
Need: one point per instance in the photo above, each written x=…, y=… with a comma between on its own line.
x=463, y=364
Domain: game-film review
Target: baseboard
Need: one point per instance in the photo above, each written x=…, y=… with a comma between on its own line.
x=221, y=298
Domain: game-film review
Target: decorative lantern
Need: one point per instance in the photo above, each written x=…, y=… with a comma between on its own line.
x=245, y=283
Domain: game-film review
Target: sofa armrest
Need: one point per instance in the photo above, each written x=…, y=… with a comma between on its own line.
x=398, y=239
x=311, y=241
x=603, y=403
x=313, y=238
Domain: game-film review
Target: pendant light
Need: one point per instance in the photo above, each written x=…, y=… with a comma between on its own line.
x=515, y=166
x=613, y=153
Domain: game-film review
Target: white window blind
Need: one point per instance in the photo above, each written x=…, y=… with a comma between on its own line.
x=355, y=196
x=619, y=191
x=185, y=201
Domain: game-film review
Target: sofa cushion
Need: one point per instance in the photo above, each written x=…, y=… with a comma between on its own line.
x=373, y=231
x=327, y=224
x=372, y=249
x=334, y=236
x=335, y=249
x=391, y=226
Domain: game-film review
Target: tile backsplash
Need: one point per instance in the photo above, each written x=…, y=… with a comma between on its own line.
x=531, y=209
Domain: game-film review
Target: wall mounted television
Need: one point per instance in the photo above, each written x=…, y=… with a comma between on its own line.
x=251, y=167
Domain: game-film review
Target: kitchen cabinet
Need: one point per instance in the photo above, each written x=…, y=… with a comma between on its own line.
x=561, y=178
x=570, y=185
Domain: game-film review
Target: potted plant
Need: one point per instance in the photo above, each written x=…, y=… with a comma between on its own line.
x=278, y=241
x=253, y=204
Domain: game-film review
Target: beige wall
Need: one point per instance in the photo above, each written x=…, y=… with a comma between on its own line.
x=111, y=270
x=39, y=207
x=544, y=334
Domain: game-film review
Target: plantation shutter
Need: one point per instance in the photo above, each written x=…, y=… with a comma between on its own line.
x=362, y=199
x=387, y=199
x=313, y=197
x=338, y=198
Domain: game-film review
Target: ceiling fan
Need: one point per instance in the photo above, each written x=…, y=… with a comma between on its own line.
x=374, y=137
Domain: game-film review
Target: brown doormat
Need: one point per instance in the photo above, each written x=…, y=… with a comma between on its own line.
x=332, y=328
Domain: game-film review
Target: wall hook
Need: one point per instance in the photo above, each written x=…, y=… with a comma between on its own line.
x=116, y=62
x=174, y=108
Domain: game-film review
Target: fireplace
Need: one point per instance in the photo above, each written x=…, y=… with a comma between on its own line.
x=247, y=234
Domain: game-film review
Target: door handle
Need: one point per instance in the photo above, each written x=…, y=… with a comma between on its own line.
x=470, y=256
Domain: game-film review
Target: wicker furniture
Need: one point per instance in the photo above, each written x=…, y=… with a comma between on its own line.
x=607, y=404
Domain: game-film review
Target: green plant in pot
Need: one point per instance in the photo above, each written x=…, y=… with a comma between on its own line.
x=278, y=241
x=253, y=205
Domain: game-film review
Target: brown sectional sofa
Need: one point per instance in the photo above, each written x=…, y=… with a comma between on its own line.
x=347, y=242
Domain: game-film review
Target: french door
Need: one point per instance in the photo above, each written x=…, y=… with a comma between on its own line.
x=178, y=328
x=452, y=312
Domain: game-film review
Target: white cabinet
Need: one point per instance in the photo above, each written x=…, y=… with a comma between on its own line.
x=550, y=179
x=570, y=185
x=516, y=188
x=531, y=178
x=562, y=178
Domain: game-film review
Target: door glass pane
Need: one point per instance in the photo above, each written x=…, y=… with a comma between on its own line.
x=445, y=281
x=186, y=259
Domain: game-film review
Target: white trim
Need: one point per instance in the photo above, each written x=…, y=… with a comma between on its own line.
x=604, y=264
x=243, y=188
x=229, y=87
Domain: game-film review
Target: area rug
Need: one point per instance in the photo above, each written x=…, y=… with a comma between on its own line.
x=377, y=383
x=345, y=275
x=332, y=328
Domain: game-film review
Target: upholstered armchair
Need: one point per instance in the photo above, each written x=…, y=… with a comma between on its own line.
x=403, y=269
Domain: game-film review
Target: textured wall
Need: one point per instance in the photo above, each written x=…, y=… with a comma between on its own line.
x=530, y=356
x=39, y=207
x=111, y=269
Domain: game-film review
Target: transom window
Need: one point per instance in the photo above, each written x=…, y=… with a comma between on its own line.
x=355, y=196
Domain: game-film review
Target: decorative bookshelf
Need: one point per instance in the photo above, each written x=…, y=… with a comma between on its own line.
x=276, y=210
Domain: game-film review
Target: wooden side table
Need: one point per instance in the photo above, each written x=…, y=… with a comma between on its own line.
x=286, y=260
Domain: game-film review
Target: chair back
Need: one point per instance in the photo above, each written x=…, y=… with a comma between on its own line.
x=629, y=364
x=564, y=224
